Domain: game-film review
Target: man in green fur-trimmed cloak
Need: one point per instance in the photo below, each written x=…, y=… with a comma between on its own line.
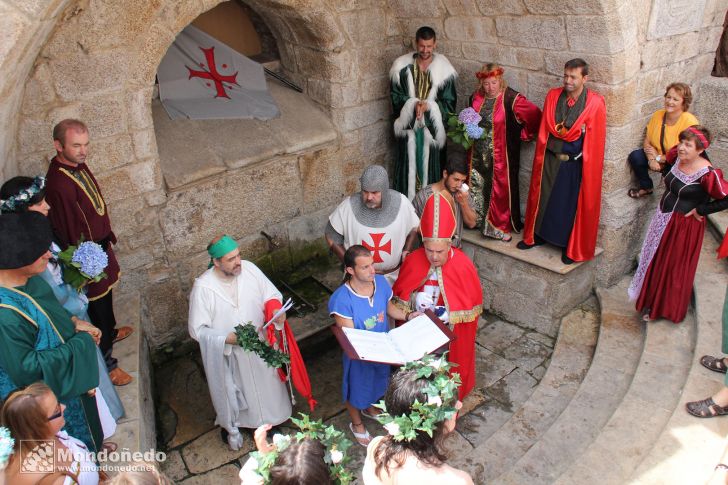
x=423, y=94
x=39, y=339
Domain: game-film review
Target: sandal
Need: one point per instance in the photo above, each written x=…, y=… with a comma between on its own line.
x=645, y=316
x=707, y=408
x=714, y=363
x=638, y=193
x=362, y=438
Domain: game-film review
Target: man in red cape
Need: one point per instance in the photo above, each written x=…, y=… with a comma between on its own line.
x=564, y=198
x=443, y=278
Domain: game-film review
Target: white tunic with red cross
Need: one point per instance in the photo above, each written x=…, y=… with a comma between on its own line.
x=385, y=243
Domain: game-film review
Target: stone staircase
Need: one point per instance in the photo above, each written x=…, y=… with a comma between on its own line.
x=617, y=415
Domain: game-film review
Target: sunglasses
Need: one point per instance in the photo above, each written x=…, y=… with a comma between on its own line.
x=57, y=414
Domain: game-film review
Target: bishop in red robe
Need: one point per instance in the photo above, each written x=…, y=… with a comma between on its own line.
x=440, y=277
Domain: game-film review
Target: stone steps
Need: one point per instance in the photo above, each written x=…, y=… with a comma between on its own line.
x=519, y=430
x=646, y=408
x=615, y=362
x=688, y=448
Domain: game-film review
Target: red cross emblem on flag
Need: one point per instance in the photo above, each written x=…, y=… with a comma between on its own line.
x=377, y=240
x=213, y=75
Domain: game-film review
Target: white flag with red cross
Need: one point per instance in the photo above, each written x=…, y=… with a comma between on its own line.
x=201, y=78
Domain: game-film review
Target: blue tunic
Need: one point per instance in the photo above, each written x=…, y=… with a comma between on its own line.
x=364, y=383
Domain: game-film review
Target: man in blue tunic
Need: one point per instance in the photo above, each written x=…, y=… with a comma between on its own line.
x=363, y=302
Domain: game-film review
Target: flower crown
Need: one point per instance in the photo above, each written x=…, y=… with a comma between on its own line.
x=6, y=447
x=333, y=440
x=441, y=392
x=12, y=203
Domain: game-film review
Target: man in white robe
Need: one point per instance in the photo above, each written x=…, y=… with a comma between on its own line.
x=378, y=218
x=245, y=391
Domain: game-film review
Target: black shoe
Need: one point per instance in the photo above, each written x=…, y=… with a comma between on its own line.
x=224, y=435
x=565, y=259
x=524, y=246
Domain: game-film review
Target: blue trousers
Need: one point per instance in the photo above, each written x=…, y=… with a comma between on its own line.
x=638, y=161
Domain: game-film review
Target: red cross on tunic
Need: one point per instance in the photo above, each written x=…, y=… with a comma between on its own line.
x=213, y=75
x=377, y=239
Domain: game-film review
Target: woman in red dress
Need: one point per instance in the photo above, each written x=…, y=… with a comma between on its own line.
x=494, y=160
x=664, y=278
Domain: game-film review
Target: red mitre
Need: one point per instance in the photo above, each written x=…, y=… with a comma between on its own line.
x=438, y=219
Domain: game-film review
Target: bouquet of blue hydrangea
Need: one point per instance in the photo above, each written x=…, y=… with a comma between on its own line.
x=83, y=264
x=463, y=128
x=6, y=447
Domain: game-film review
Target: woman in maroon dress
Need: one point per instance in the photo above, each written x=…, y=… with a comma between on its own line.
x=663, y=281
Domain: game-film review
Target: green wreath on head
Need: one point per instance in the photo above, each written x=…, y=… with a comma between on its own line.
x=441, y=392
x=333, y=440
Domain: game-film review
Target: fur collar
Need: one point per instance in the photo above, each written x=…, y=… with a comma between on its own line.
x=440, y=69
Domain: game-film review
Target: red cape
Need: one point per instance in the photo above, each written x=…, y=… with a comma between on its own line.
x=461, y=290
x=504, y=211
x=583, y=240
x=463, y=297
x=299, y=375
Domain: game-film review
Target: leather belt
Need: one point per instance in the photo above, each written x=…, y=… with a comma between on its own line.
x=565, y=157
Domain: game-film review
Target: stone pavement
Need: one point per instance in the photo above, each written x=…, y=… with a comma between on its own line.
x=602, y=403
x=511, y=361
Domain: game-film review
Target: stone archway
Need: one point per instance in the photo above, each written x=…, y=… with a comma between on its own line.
x=118, y=49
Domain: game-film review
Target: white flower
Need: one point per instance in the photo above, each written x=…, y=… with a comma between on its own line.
x=336, y=457
x=436, y=400
x=464, y=188
x=392, y=428
x=281, y=441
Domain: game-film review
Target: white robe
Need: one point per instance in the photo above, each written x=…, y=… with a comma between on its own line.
x=259, y=396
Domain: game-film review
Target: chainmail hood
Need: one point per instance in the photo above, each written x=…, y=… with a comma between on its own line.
x=375, y=179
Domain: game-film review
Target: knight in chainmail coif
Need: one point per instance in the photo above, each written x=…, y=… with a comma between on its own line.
x=379, y=218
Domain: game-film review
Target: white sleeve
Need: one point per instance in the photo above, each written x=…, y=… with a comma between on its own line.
x=337, y=217
x=413, y=221
x=200, y=311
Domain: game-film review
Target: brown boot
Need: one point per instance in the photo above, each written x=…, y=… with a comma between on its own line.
x=119, y=377
x=122, y=333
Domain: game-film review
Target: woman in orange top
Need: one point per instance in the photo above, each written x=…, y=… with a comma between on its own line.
x=662, y=134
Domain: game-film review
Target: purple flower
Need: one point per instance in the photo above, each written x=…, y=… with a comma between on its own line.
x=474, y=131
x=469, y=116
x=91, y=258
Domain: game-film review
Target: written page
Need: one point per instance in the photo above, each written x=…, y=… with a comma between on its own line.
x=409, y=342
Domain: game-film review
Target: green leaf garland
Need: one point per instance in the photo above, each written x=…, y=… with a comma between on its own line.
x=248, y=339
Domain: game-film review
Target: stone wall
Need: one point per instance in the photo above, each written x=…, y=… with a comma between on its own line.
x=96, y=60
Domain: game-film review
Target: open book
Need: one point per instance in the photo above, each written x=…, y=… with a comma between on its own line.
x=403, y=344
